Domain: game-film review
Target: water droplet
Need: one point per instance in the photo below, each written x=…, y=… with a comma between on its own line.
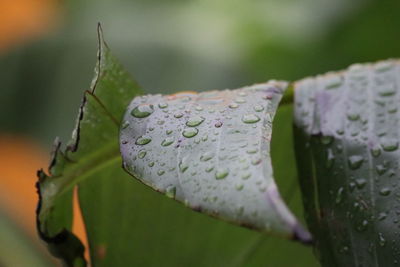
x=360, y=182
x=178, y=115
x=160, y=172
x=209, y=168
x=353, y=116
x=125, y=124
x=326, y=139
x=339, y=195
x=375, y=151
x=381, y=169
x=385, y=191
x=382, y=240
x=333, y=82
x=252, y=151
x=183, y=166
x=190, y=132
x=250, y=118
x=221, y=173
x=362, y=226
x=382, y=216
x=142, y=154
x=330, y=158
x=387, y=90
x=143, y=140
x=162, y=105
x=207, y=156
x=239, y=187
x=194, y=121
x=383, y=66
x=168, y=132
x=151, y=164
x=218, y=124
x=256, y=161
x=258, y=108
x=246, y=175
x=355, y=161
x=142, y=111
x=234, y=105
x=198, y=108
x=170, y=191
x=240, y=100
x=344, y=249
x=389, y=144
x=167, y=141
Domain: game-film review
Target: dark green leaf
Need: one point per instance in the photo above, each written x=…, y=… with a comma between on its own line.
x=94, y=146
x=347, y=138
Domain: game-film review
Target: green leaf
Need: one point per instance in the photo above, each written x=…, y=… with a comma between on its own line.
x=347, y=138
x=130, y=225
x=94, y=146
x=211, y=151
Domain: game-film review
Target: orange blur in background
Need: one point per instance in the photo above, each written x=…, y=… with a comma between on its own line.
x=22, y=20
x=20, y=157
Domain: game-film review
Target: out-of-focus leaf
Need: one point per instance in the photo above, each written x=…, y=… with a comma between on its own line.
x=93, y=147
x=347, y=142
x=17, y=248
x=211, y=151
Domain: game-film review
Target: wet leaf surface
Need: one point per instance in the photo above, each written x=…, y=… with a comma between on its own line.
x=211, y=151
x=347, y=137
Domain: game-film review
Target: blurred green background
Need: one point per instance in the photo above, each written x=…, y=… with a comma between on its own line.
x=48, y=52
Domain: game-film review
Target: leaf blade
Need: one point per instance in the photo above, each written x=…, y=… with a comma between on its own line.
x=342, y=117
x=82, y=159
x=211, y=151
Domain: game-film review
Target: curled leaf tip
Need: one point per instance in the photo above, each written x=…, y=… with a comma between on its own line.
x=211, y=151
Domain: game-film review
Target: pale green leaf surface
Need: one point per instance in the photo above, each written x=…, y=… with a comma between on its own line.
x=347, y=138
x=211, y=151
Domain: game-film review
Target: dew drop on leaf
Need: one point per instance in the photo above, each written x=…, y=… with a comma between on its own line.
x=250, y=118
x=143, y=140
x=234, y=105
x=355, y=161
x=178, y=115
x=339, y=195
x=385, y=191
x=194, y=121
x=389, y=144
x=142, y=111
x=167, y=141
x=206, y=156
x=258, y=108
x=162, y=105
x=221, y=173
x=190, y=132
x=170, y=191
x=360, y=183
x=382, y=240
x=142, y=154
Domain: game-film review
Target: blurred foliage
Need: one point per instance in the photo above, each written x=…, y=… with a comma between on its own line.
x=187, y=45
x=181, y=45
